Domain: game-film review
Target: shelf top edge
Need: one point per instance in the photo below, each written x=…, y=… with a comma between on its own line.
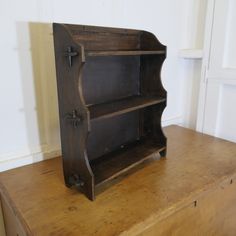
x=123, y=52
x=91, y=28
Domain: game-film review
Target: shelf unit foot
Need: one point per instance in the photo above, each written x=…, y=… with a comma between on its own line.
x=163, y=153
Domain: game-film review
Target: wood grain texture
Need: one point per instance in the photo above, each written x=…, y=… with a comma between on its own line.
x=2, y=227
x=110, y=78
x=76, y=167
x=125, y=53
x=112, y=134
x=13, y=225
x=124, y=159
x=95, y=38
x=121, y=106
x=212, y=213
x=196, y=166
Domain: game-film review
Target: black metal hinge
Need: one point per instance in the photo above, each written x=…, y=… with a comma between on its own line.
x=70, y=53
x=73, y=118
x=76, y=180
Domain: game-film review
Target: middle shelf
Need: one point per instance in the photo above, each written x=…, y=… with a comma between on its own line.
x=121, y=106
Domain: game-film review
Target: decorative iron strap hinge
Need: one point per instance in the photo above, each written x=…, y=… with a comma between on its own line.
x=69, y=53
x=75, y=180
x=73, y=118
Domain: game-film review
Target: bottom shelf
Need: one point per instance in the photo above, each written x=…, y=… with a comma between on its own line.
x=112, y=165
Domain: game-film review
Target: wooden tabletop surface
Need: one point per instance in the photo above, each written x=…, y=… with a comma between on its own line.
x=128, y=205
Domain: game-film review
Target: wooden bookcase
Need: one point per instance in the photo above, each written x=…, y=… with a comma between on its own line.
x=110, y=101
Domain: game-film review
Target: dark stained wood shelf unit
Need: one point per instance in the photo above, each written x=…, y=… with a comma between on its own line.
x=121, y=106
x=124, y=53
x=111, y=100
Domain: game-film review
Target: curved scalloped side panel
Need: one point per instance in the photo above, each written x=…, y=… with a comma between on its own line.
x=77, y=170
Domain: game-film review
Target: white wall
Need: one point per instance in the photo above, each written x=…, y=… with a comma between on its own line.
x=193, y=38
x=29, y=127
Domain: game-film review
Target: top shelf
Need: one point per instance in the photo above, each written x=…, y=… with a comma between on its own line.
x=124, y=53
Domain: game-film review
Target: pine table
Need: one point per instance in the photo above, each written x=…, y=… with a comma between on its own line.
x=190, y=192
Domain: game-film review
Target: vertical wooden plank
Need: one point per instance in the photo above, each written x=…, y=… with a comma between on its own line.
x=12, y=225
x=2, y=227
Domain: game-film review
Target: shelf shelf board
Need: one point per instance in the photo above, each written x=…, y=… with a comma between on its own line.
x=118, y=107
x=118, y=162
x=125, y=53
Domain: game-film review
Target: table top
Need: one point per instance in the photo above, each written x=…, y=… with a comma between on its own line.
x=152, y=191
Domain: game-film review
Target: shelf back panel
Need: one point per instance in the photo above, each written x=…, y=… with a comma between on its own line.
x=105, y=38
x=110, y=134
x=110, y=78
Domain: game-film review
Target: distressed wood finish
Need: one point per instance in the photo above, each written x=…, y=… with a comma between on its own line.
x=192, y=192
x=110, y=99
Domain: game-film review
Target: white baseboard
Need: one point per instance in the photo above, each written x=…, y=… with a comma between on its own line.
x=15, y=160
x=177, y=120
x=22, y=159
